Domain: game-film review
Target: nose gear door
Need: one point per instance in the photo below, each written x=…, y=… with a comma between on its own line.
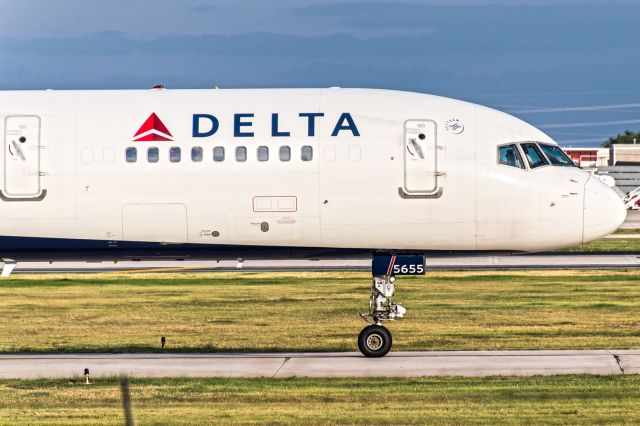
x=22, y=158
x=420, y=157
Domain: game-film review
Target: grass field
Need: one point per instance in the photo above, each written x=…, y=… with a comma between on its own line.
x=608, y=245
x=630, y=231
x=317, y=311
x=495, y=400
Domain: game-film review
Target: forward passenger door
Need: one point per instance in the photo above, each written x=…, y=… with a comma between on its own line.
x=420, y=157
x=22, y=158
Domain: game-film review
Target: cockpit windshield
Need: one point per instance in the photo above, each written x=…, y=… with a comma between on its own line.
x=533, y=155
x=509, y=156
x=557, y=156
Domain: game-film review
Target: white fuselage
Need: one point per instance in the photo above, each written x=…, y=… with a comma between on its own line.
x=385, y=171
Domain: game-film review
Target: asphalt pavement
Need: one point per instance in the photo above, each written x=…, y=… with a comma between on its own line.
x=341, y=364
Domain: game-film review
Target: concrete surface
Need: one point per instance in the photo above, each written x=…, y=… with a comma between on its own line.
x=525, y=261
x=632, y=221
x=345, y=364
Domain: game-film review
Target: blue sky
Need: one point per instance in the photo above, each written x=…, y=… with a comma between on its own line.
x=570, y=67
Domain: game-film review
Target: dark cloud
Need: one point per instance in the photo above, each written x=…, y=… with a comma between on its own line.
x=476, y=52
x=263, y=59
x=493, y=25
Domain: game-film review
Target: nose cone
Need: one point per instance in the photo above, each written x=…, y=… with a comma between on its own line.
x=604, y=210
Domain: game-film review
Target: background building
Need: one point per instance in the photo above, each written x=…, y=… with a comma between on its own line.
x=589, y=158
x=621, y=162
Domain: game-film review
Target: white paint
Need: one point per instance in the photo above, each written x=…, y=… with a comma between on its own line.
x=340, y=202
x=166, y=223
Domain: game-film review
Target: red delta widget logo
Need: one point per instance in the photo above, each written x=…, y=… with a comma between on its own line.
x=207, y=125
x=153, y=130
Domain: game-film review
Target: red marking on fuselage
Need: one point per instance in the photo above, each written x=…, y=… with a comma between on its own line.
x=153, y=129
x=391, y=263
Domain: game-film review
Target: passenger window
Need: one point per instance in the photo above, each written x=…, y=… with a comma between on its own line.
x=534, y=155
x=218, y=153
x=263, y=153
x=509, y=156
x=241, y=153
x=557, y=156
x=132, y=155
x=285, y=153
x=153, y=155
x=174, y=154
x=196, y=154
x=307, y=153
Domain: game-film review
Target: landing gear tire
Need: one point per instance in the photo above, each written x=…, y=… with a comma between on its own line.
x=374, y=341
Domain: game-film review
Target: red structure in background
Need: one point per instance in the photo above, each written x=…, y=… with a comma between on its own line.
x=583, y=157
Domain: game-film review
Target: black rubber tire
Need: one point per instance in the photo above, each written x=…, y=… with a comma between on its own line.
x=370, y=335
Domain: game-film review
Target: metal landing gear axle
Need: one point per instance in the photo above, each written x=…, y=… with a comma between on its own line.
x=375, y=340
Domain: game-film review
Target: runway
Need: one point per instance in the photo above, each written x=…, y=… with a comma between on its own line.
x=514, y=262
x=632, y=221
x=344, y=364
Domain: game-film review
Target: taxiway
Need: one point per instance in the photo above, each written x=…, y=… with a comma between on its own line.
x=344, y=364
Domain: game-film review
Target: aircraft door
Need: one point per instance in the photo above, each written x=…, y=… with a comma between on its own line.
x=22, y=157
x=420, y=157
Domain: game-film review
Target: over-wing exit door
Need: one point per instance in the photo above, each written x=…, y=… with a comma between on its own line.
x=22, y=157
x=420, y=157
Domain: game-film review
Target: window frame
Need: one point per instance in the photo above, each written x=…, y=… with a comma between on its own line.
x=172, y=150
x=263, y=149
x=246, y=156
x=525, y=163
x=544, y=157
x=148, y=153
x=541, y=144
x=224, y=154
x=201, y=154
x=286, y=148
x=126, y=154
x=302, y=153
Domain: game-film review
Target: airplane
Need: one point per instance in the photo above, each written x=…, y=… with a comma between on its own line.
x=286, y=173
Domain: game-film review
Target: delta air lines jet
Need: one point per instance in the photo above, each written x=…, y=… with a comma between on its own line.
x=226, y=174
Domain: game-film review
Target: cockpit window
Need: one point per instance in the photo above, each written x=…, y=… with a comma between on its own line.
x=509, y=156
x=534, y=155
x=557, y=156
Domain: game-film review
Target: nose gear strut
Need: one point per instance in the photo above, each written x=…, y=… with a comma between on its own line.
x=375, y=339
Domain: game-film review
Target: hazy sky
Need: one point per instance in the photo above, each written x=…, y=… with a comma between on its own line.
x=570, y=67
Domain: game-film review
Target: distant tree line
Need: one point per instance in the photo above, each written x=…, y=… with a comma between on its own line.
x=627, y=137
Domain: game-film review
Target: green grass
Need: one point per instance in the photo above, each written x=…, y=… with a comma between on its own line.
x=630, y=231
x=317, y=311
x=494, y=400
x=608, y=245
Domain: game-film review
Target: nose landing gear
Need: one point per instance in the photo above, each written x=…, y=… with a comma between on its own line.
x=375, y=340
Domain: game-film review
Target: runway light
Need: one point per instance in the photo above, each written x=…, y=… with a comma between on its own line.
x=163, y=342
x=86, y=375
